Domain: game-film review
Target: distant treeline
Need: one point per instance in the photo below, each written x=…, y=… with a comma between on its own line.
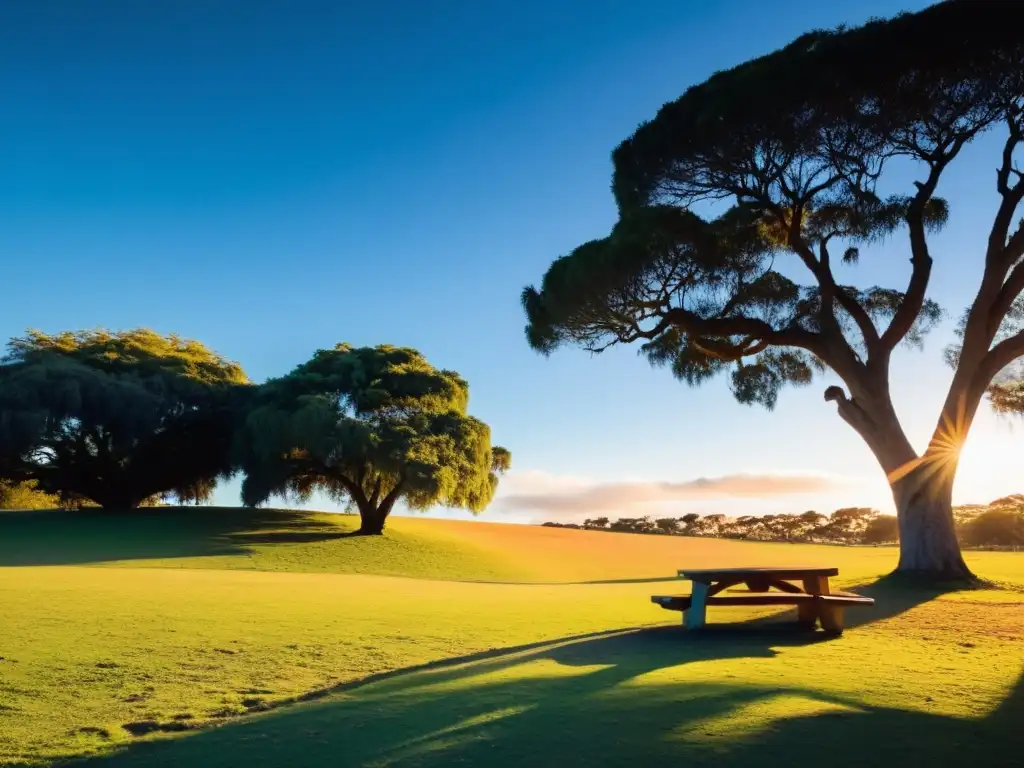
x=996, y=525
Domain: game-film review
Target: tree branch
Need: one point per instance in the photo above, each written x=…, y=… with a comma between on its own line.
x=388, y=501
x=999, y=291
x=1012, y=196
x=376, y=491
x=1015, y=244
x=920, y=259
x=354, y=490
x=1000, y=356
x=695, y=325
x=851, y=305
x=1009, y=292
x=822, y=272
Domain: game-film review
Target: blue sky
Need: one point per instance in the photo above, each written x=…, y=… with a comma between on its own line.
x=275, y=177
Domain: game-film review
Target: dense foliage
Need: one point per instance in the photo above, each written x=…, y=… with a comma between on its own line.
x=370, y=426
x=117, y=419
x=741, y=203
x=127, y=419
x=996, y=525
x=25, y=495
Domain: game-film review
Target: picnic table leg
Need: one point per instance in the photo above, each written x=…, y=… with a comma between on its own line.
x=831, y=616
x=695, y=616
x=809, y=613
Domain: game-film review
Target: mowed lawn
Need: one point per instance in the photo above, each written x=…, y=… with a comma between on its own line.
x=187, y=637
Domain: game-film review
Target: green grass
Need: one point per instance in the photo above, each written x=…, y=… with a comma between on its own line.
x=187, y=637
x=223, y=539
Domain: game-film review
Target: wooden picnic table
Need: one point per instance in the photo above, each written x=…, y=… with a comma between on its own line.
x=805, y=587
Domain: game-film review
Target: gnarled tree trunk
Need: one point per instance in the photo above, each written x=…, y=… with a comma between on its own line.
x=115, y=500
x=372, y=517
x=922, y=487
x=924, y=509
x=371, y=521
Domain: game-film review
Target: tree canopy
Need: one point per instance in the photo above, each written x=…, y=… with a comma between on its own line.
x=369, y=426
x=741, y=201
x=117, y=418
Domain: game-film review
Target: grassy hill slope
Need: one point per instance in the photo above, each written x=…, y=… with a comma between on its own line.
x=283, y=540
x=118, y=630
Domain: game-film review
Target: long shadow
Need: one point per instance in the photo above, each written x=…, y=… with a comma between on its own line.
x=417, y=718
x=54, y=537
x=633, y=697
x=313, y=534
x=895, y=594
x=882, y=735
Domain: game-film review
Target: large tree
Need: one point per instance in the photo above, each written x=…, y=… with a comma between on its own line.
x=117, y=419
x=369, y=426
x=739, y=201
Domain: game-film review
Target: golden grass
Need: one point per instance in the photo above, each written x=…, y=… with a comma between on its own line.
x=563, y=554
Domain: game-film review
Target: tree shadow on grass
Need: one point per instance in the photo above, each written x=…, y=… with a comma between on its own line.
x=635, y=697
x=866, y=735
x=895, y=594
x=308, y=534
x=55, y=537
x=520, y=707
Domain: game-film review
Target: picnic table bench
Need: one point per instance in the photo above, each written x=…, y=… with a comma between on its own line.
x=810, y=594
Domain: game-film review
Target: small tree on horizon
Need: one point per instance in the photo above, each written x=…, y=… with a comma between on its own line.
x=667, y=524
x=369, y=426
x=1002, y=526
x=798, y=147
x=882, y=529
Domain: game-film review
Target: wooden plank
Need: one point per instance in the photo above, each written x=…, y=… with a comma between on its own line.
x=810, y=607
x=695, y=617
x=672, y=602
x=683, y=602
x=780, y=572
x=722, y=586
x=847, y=598
x=761, y=598
x=841, y=593
x=816, y=584
x=785, y=586
x=758, y=584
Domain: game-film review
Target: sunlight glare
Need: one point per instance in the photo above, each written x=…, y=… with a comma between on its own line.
x=751, y=719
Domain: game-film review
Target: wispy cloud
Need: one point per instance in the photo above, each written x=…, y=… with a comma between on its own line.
x=543, y=494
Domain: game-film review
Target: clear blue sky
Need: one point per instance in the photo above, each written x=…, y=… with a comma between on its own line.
x=274, y=177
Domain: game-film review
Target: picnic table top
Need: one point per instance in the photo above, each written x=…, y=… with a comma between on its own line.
x=779, y=572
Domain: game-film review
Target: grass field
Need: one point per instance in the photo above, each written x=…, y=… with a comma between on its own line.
x=130, y=637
